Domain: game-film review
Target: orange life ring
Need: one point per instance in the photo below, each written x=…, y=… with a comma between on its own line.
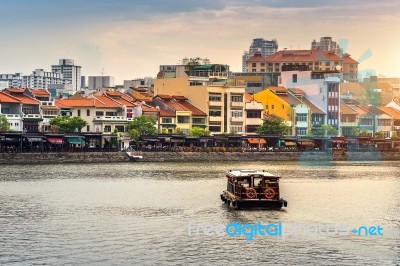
x=269, y=193
x=251, y=193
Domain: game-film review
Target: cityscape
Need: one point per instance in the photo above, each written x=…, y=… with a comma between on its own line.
x=308, y=90
x=215, y=132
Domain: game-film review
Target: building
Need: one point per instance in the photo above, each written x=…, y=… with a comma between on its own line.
x=41, y=79
x=11, y=108
x=326, y=44
x=69, y=71
x=31, y=112
x=348, y=120
x=177, y=115
x=143, y=83
x=304, y=60
x=264, y=47
x=321, y=88
x=208, y=88
x=11, y=80
x=97, y=82
x=254, y=114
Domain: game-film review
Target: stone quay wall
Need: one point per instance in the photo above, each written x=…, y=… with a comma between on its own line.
x=115, y=157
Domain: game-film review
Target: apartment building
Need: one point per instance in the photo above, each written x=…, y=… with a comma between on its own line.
x=70, y=72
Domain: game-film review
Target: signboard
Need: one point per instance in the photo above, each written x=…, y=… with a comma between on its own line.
x=167, y=68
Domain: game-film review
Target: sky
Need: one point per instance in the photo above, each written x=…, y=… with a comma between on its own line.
x=130, y=39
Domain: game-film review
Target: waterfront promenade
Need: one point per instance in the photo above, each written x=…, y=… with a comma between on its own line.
x=153, y=156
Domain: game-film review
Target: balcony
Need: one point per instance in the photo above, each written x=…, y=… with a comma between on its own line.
x=215, y=103
x=106, y=118
x=237, y=104
x=215, y=118
x=12, y=116
x=237, y=119
x=32, y=117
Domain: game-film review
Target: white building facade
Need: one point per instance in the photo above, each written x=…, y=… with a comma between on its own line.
x=40, y=79
x=69, y=71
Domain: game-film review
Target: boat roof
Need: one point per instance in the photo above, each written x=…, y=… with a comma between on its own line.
x=239, y=173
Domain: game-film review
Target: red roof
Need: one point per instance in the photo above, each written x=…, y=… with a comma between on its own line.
x=277, y=89
x=391, y=111
x=314, y=109
x=297, y=92
x=164, y=113
x=180, y=105
x=15, y=90
x=348, y=60
x=26, y=99
x=38, y=92
x=97, y=101
x=347, y=110
x=6, y=98
x=164, y=96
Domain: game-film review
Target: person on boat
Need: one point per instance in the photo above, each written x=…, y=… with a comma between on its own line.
x=245, y=184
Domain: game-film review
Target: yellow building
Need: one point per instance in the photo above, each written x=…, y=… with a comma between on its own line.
x=274, y=104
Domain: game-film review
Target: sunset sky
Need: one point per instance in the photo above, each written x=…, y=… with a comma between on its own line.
x=131, y=38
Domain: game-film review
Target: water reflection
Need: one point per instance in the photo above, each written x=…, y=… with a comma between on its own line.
x=138, y=213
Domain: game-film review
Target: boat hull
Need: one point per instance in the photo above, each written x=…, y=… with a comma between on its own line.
x=235, y=203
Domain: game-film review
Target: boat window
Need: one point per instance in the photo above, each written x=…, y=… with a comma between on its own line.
x=257, y=182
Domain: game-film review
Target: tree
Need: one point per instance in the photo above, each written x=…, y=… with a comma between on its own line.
x=199, y=132
x=194, y=61
x=4, y=125
x=141, y=126
x=394, y=135
x=325, y=130
x=355, y=131
x=363, y=133
x=273, y=126
x=379, y=135
x=68, y=123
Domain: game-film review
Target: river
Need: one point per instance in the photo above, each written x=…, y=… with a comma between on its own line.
x=147, y=214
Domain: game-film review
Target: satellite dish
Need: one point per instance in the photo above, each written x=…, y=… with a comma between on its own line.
x=338, y=68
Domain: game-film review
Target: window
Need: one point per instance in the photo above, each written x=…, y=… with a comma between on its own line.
x=79, y=112
x=214, y=128
x=301, y=131
x=214, y=113
x=253, y=114
x=294, y=78
x=183, y=119
x=237, y=113
x=111, y=113
x=301, y=117
x=98, y=113
x=214, y=97
x=120, y=128
x=87, y=128
x=272, y=106
x=262, y=64
x=166, y=120
x=237, y=98
x=236, y=129
x=283, y=106
x=253, y=64
x=198, y=121
x=87, y=112
x=327, y=63
x=107, y=128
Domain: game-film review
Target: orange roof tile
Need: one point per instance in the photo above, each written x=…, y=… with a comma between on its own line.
x=348, y=60
x=27, y=100
x=38, y=92
x=15, y=90
x=165, y=113
x=347, y=110
x=297, y=91
x=302, y=56
x=391, y=111
x=87, y=102
x=6, y=98
x=277, y=89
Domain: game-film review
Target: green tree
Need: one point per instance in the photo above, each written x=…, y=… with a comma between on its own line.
x=355, y=131
x=379, y=135
x=194, y=61
x=273, y=126
x=4, y=125
x=141, y=126
x=199, y=132
x=363, y=133
x=325, y=130
x=68, y=123
x=394, y=135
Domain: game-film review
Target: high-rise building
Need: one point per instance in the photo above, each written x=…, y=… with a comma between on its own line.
x=98, y=82
x=70, y=72
x=260, y=45
x=40, y=79
x=12, y=80
x=326, y=44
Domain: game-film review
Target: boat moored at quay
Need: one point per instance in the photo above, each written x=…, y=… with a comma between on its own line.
x=252, y=189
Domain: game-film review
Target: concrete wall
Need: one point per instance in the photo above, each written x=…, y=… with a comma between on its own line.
x=308, y=158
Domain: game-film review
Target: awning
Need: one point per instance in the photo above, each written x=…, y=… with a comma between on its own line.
x=256, y=141
x=75, y=140
x=289, y=143
x=35, y=139
x=306, y=143
x=56, y=141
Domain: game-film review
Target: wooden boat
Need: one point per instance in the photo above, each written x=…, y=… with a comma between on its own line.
x=252, y=189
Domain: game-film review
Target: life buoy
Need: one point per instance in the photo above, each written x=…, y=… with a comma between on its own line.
x=251, y=193
x=269, y=193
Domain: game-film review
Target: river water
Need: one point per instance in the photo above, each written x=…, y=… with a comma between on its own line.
x=140, y=213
